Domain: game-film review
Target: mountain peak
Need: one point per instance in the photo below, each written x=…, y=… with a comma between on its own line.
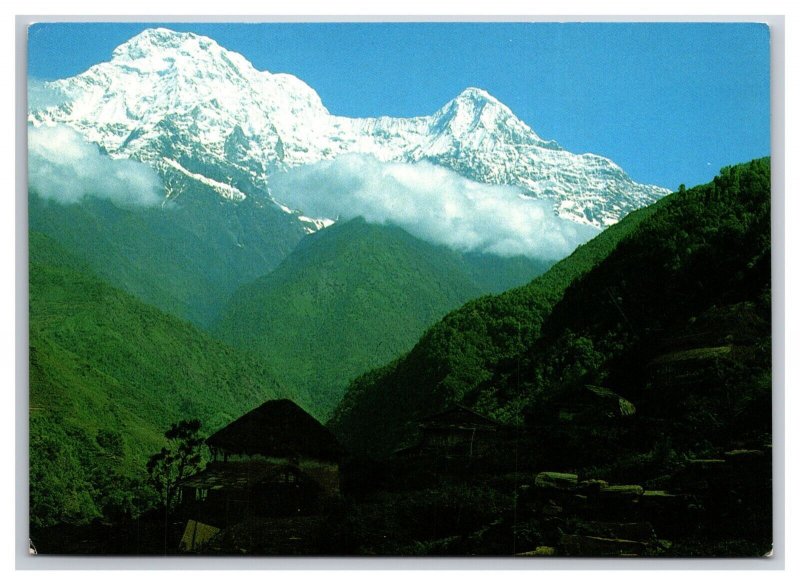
x=476, y=95
x=158, y=49
x=155, y=39
x=162, y=34
x=476, y=108
x=181, y=96
x=474, y=102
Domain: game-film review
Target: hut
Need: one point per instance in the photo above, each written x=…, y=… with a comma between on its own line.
x=458, y=432
x=276, y=460
x=690, y=368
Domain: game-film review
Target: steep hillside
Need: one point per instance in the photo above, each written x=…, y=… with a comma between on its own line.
x=351, y=297
x=108, y=375
x=186, y=258
x=688, y=338
x=676, y=259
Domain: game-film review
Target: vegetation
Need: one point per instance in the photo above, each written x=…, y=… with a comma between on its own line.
x=107, y=375
x=667, y=315
x=186, y=258
x=638, y=370
x=701, y=309
x=461, y=351
x=181, y=458
x=596, y=317
x=352, y=297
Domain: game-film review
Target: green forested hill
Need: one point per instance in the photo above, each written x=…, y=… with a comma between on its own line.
x=351, y=297
x=587, y=319
x=186, y=258
x=676, y=319
x=108, y=375
x=381, y=407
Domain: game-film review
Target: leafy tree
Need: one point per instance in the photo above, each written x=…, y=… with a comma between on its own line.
x=119, y=498
x=181, y=458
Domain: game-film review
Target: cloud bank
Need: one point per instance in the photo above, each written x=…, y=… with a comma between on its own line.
x=63, y=167
x=42, y=94
x=432, y=203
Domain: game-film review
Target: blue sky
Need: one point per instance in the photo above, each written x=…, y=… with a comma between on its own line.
x=669, y=103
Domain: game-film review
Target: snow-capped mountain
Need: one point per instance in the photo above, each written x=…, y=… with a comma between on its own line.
x=204, y=115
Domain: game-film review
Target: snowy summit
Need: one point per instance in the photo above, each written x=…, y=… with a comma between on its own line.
x=183, y=104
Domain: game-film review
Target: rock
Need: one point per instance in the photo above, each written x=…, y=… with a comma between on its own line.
x=556, y=481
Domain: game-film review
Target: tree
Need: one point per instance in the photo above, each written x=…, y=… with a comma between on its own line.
x=111, y=442
x=181, y=458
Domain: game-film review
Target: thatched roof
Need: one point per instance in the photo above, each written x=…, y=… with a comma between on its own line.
x=277, y=428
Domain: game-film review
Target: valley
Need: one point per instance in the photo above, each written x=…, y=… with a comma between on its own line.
x=257, y=327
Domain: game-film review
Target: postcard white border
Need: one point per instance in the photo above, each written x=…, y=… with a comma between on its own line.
x=24, y=561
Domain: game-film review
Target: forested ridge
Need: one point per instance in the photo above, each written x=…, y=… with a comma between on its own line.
x=351, y=297
x=108, y=375
x=597, y=316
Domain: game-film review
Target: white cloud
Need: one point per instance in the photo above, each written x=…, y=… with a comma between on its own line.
x=42, y=94
x=63, y=167
x=432, y=203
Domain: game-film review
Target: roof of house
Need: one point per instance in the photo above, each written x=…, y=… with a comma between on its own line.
x=277, y=428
